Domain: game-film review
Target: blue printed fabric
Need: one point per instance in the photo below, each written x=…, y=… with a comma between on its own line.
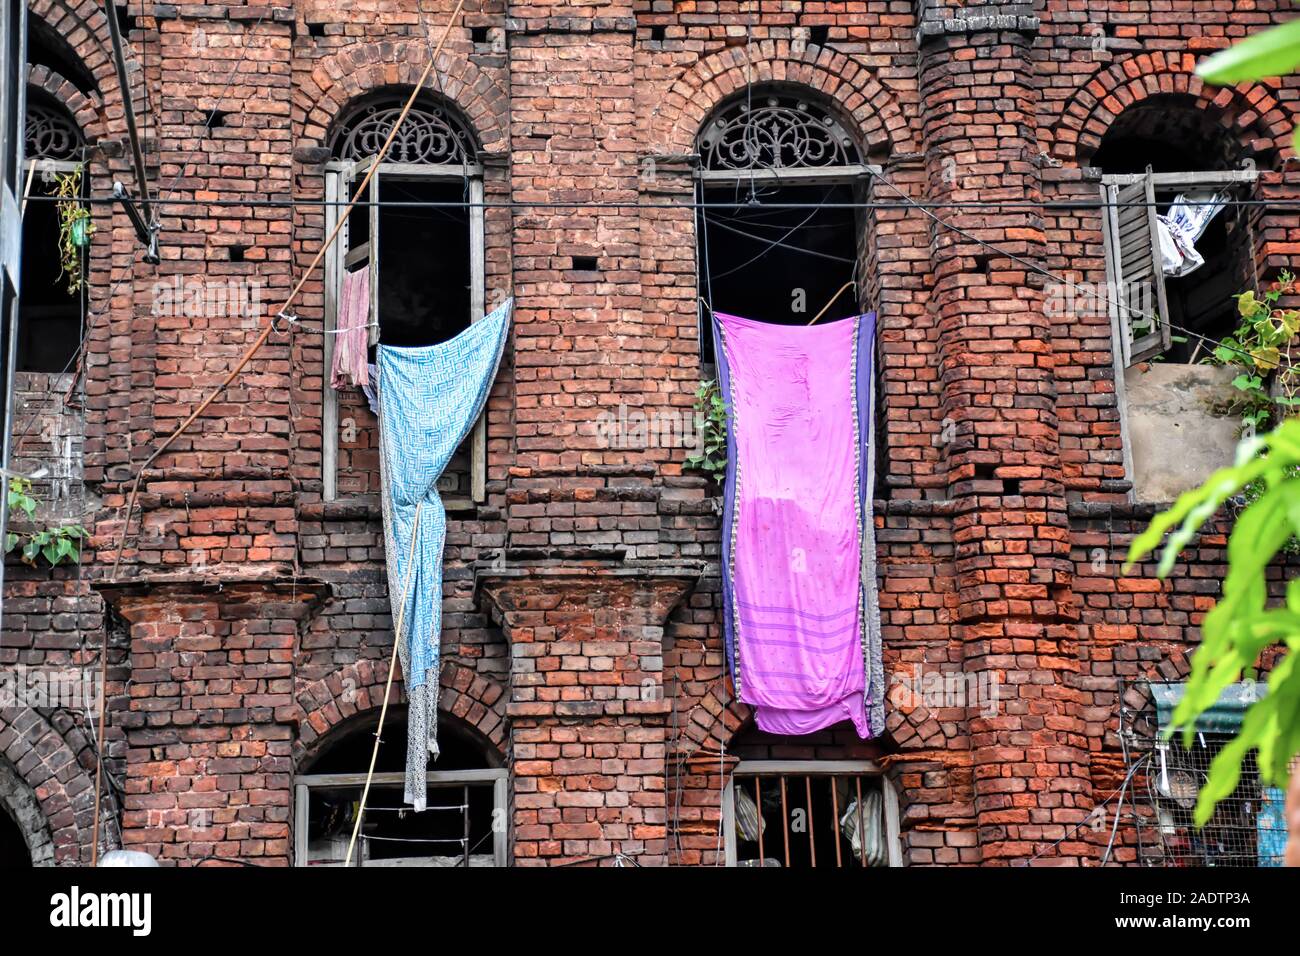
x=429, y=399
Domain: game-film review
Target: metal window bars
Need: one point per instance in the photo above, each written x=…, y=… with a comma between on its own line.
x=1248, y=827
x=809, y=814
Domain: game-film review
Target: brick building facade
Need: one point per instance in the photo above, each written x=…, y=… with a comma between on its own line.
x=249, y=633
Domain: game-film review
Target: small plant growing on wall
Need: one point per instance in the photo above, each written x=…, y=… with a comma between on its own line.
x=711, y=418
x=1267, y=388
x=55, y=545
x=75, y=228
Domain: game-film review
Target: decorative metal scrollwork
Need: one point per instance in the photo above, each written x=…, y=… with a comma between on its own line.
x=50, y=134
x=775, y=130
x=431, y=135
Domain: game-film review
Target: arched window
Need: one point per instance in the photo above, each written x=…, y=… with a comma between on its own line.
x=775, y=129
x=463, y=825
x=1168, y=160
x=50, y=133
x=779, y=173
x=419, y=239
x=54, y=252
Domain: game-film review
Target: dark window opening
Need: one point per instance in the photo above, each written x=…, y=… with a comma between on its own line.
x=1203, y=302
x=780, y=265
x=478, y=35
x=457, y=817
x=819, y=35
x=658, y=34
x=13, y=848
x=49, y=317
x=1168, y=134
x=217, y=119
x=424, y=263
x=45, y=47
x=585, y=264
x=237, y=253
x=316, y=30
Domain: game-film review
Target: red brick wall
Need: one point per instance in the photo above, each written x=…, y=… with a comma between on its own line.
x=1001, y=466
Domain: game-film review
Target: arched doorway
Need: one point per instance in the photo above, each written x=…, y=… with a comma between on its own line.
x=465, y=823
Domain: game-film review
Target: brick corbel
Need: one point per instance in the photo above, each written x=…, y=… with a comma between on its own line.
x=604, y=625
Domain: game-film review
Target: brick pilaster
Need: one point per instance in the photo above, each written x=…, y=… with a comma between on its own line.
x=588, y=713
x=1000, y=438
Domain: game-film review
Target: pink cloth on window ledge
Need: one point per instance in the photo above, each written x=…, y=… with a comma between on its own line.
x=352, y=340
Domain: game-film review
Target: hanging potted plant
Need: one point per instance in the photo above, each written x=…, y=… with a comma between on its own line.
x=75, y=228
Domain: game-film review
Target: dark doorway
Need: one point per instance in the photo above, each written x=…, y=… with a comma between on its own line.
x=13, y=848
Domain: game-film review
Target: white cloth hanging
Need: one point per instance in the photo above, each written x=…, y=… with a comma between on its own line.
x=1180, y=228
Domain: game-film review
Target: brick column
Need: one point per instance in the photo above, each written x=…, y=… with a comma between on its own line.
x=211, y=717
x=1002, y=448
x=587, y=709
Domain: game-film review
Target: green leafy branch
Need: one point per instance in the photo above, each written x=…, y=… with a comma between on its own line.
x=1241, y=626
x=711, y=418
x=1260, y=346
x=56, y=544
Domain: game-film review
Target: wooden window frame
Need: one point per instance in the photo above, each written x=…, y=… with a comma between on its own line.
x=498, y=777
x=813, y=768
x=341, y=178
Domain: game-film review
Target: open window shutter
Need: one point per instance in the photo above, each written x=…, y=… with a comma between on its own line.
x=1137, y=278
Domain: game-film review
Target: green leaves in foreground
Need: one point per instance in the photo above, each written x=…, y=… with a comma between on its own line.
x=1240, y=626
x=1269, y=53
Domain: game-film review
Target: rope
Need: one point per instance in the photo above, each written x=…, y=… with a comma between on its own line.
x=388, y=684
x=851, y=282
x=293, y=294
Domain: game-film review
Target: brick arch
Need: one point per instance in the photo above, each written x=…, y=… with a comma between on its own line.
x=872, y=111
x=716, y=719
x=82, y=26
x=85, y=110
x=1252, y=113
x=337, y=80
x=55, y=759
x=477, y=701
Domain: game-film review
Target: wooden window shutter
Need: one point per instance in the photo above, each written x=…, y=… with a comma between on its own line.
x=1137, y=281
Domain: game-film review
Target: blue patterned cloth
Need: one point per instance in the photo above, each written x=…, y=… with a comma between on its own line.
x=429, y=399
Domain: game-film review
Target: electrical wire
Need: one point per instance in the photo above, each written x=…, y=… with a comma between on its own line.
x=987, y=205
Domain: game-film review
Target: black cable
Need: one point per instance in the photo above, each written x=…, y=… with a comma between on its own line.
x=992, y=204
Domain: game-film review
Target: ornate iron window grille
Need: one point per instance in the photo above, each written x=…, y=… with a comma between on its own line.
x=431, y=135
x=775, y=131
x=50, y=134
